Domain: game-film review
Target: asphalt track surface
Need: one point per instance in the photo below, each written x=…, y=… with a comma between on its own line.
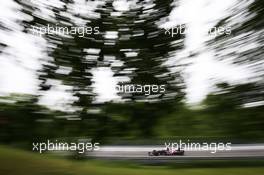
x=240, y=152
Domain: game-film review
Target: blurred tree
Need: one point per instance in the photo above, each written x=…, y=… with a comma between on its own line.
x=240, y=106
x=142, y=48
x=234, y=113
x=131, y=44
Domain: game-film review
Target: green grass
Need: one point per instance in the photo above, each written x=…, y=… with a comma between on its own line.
x=16, y=162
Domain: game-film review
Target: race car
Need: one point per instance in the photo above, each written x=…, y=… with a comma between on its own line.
x=167, y=152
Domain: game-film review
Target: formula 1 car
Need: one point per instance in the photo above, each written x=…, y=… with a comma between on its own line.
x=166, y=153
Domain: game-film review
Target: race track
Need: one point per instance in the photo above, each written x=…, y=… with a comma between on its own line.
x=249, y=151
